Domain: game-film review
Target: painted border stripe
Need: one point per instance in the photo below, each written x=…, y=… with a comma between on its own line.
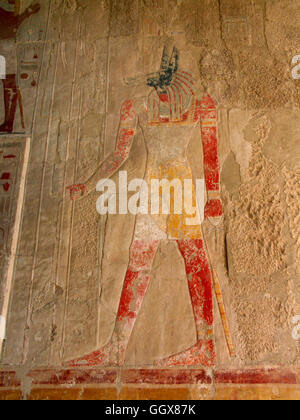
x=9, y=379
x=256, y=376
x=165, y=376
x=284, y=376
x=73, y=377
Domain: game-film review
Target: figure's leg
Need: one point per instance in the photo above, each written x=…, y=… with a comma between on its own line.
x=10, y=103
x=136, y=282
x=200, y=287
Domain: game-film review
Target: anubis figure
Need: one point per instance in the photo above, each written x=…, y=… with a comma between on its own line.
x=10, y=21
x=171, y=116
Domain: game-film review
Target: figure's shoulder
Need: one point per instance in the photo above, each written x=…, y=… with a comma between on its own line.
x=205, y=107
x=208, y=102
x=131, y=108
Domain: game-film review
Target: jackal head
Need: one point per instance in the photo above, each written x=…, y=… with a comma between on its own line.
x=168, y=69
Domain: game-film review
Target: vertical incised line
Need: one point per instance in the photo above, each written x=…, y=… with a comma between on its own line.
x=64, y=192
x=26, y=337
x=102, y=227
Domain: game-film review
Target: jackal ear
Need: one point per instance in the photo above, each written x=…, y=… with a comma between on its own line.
x=173, y=64
x=164, y=60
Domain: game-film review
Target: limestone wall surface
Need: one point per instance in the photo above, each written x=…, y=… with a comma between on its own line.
x=147, y=307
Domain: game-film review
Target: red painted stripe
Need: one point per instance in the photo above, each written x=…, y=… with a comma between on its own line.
x=73, y=377
x=187, y=76
x=165, y=376
x=256, y=376
x=154, y=376
x=170, y=98
x=185, y=72
x=298, y=375
x=175, y=102
x=184, y=83
x=9, y=379
x=179, y=86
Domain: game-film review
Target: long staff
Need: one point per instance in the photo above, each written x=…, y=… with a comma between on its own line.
x=221, y=305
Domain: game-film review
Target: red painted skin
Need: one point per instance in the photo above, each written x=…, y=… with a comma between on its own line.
x=123, y=146
x=127, y=111
x=76, y=189
x=142, y=254
x=200, y=288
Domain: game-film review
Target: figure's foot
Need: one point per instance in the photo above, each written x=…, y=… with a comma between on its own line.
x=6, y=128
x=201, y=354
x=107, y=356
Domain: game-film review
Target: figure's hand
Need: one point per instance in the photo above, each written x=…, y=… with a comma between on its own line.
x=214, y=211
x=77, y=191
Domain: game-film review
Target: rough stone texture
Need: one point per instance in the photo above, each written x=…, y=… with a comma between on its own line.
x=78, y=61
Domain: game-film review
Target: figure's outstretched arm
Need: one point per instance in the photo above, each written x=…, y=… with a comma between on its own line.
x=209, y=132
x=114, y=161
